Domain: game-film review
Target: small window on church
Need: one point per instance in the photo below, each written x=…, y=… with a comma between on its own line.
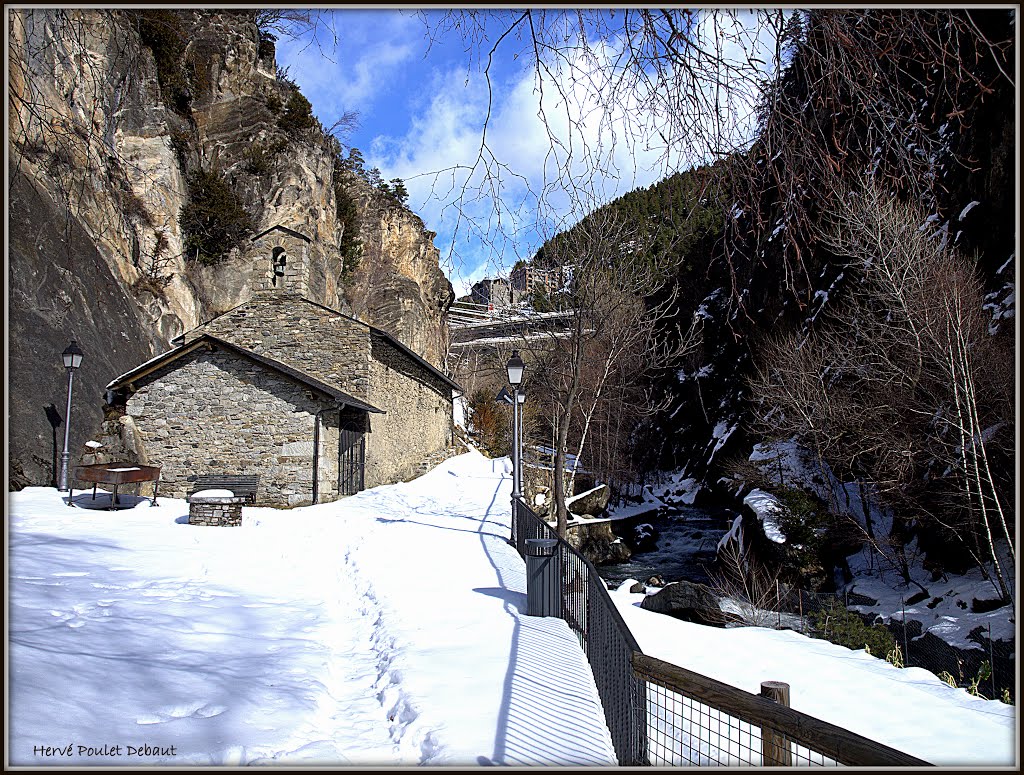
x=278, y=259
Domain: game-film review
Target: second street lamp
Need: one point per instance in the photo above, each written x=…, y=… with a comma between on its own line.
x=515, y=367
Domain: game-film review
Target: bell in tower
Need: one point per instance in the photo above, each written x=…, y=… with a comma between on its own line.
x=287, y=271
x=278, y=259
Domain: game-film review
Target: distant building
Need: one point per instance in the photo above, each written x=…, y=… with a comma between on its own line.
x=495, y=291
x=525, y=278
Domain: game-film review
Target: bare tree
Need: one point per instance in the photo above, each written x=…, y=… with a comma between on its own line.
x=886, y=388
x=613, y=339
x=870, y=92
x=343, y=127
x=296, y=23
x=884, y=93
x=751, y=590
x=610, y=86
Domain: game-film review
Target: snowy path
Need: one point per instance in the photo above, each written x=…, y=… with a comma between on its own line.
x=385, y=629
x=548, y=711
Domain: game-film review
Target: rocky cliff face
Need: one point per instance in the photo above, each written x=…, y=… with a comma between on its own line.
x=113, y=114
x=398, y=285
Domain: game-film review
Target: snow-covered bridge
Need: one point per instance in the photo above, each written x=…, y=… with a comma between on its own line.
x=483, y=325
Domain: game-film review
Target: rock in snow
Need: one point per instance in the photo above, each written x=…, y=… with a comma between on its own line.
x=768, y=509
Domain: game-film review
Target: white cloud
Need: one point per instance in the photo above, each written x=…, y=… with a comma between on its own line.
x=354, y=72
x=463, y=278
x=490, y=210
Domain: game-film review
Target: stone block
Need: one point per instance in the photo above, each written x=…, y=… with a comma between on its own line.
x=297, y=449
x=220, y=511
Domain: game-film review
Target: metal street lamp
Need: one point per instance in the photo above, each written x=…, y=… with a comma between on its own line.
x=515, y=367
x=72, y=357
x=521, y=400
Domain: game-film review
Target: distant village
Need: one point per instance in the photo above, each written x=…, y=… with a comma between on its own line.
x=523, y=280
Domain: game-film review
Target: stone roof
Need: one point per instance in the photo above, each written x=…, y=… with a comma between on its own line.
x=208, y=340
x=372, y=329
x=285, y=229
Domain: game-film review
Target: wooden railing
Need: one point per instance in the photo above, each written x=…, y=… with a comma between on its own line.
x=693, y=719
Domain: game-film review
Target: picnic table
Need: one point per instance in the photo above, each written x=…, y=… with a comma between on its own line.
x=115, y=474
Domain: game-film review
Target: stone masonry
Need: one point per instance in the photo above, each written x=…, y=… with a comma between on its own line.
x=216, y=512
x=218, y=412
x=394, y=450
x=314, y=339
x=280, y=260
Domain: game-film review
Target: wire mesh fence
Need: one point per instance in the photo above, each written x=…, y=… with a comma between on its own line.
x=698, y=721
x=686, y=732
x=661, y=714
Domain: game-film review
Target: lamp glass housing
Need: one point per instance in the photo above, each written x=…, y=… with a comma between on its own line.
x=515, y=368
x=72, y=356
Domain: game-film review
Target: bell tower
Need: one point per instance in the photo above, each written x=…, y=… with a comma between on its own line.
x=280, y=261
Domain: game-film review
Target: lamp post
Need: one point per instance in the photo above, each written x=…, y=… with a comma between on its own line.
x=515, y=368
x=520, y=405
x=72, y=357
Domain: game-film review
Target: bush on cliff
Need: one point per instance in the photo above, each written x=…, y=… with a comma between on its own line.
x=213, y=220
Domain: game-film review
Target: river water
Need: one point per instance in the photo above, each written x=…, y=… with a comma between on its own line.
x=686, y=543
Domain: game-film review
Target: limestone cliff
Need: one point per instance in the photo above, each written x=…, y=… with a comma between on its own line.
x=117, y=120
x=397, y=284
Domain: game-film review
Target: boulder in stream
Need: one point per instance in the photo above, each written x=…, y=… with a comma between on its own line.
x=687, y=601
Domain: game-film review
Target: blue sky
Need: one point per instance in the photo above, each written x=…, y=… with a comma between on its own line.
x=422, y=103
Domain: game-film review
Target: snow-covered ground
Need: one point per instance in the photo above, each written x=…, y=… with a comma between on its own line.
x=385, y=629
x=947, y=610
x=908, y=709
x=388, y=628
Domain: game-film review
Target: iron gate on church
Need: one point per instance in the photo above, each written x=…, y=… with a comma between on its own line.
x=351, y=460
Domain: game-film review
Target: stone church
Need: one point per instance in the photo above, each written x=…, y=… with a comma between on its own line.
x=316, y=403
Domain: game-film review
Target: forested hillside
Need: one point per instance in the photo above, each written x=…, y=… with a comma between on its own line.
x=847, y=283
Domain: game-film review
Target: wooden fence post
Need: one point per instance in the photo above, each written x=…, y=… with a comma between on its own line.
x=775, y=747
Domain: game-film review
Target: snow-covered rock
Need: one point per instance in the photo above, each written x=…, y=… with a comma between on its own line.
x=768, y=510
x=592, y=502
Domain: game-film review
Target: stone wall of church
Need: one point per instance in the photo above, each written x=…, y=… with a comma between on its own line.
x=418, y=419
x=306, y=336
x=215, y=412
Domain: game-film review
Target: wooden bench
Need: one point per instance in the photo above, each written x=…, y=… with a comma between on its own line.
x=242, y=485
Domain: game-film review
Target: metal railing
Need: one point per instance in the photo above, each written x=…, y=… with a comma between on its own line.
x=662, y=714
x=606, y=640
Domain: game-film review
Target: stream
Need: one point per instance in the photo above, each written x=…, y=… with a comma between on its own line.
x=686, y=541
